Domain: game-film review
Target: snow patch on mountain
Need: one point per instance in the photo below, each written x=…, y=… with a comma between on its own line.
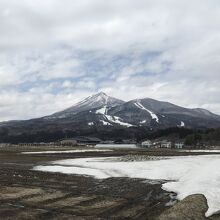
x=102, y=110
x=118, y=120
x=105, y=122
x=91, y=123
x=182, y=124
x=153, y=115
x=113, y=119
x=142, y=122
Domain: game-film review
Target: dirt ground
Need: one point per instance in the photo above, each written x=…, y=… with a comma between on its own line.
x=28, y=194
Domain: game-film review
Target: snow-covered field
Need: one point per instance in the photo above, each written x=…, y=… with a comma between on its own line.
x=202, y=151
x=67, y=151
x=189, y=174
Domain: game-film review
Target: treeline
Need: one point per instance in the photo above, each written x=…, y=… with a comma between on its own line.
x=178, y=133
x=189, y=136
x=208, y=137
x=47, y=136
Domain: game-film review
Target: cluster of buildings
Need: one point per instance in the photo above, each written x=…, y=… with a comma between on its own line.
x=162, y=144
x=78, y=141
x=146, y=143
x=84, y=141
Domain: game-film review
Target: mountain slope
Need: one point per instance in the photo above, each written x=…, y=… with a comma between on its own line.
x=157, y=114
x=98, y=100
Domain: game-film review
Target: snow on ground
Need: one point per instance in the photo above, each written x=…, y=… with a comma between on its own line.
x=66, y=151
x=116, y=146
x=189, y=174
x=202, y=151
x=91, y=123
x=153, y=115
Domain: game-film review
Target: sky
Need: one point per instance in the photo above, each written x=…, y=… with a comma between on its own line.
x=53, y=53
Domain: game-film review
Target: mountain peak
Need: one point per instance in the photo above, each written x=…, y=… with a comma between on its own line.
x=101, y=94
x=95, y=101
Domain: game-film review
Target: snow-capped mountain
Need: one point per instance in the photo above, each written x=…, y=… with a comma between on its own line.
x=103, y=110
x=101, y=113
x=98, y=100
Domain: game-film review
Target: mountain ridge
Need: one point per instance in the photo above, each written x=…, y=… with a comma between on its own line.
x=138, y=112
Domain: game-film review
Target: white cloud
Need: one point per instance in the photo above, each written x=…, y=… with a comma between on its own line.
x=36, y=103
x=164, y=49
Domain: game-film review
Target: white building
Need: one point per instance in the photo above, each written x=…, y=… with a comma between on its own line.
x=179, y=145
x=147, y=143
x=166, y=144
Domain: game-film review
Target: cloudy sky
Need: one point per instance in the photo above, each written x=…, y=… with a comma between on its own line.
x=53, y=53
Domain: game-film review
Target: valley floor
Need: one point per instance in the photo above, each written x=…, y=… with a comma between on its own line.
x=30, y=194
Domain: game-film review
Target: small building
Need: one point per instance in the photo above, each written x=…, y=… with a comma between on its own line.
x=146, y=144
x=179, y=145
x=165, y=144
x=156, y=144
